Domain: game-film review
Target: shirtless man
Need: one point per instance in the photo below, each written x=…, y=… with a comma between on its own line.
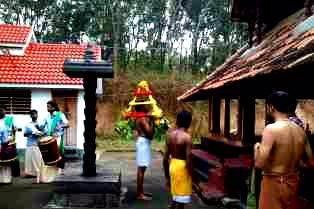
x=279, y=155
x=178, y=153
x=144, y=134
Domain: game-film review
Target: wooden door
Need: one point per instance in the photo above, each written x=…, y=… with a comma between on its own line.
x=67, y=101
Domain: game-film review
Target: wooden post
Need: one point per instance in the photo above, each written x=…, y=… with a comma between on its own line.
x=216, y=115
x=248, y=112
x=89, y=157
x=227, y=118
x=210, y=113
x=239, y=119
x=89, y=69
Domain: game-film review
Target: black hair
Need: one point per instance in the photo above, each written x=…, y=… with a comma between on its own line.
x=184, y=119
x=282, y=102
x=33, y=111
x=54, y=105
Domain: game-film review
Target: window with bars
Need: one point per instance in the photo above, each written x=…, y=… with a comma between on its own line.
x=15, y=101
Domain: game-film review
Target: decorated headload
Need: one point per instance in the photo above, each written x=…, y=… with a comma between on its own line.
x=142, y=96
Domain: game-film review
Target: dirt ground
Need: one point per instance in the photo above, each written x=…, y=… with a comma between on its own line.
x=22, y=194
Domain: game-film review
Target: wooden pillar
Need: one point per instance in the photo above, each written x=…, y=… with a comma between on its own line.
x=89, y=157
x=227, y=118
x=239, y=119
x=210, y=115
x=216, y=115
x=248, y=122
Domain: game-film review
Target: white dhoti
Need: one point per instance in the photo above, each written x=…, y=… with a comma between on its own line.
x=143, y=152
x=5, y=174
x=49, y=173
x=33, y=161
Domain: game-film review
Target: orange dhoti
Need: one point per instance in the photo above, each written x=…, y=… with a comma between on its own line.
x=279, y=192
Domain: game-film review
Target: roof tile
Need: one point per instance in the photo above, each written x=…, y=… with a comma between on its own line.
x=279, y=50
x=13, y=34
x=41, y=64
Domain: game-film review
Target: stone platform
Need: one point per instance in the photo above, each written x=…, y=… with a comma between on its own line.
x=74, y=190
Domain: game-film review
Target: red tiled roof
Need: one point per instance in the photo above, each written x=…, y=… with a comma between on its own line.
x=41, y=64
x=13, y=34
x=282, y=48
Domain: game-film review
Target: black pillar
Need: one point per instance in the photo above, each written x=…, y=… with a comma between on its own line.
x=216, y=115
x=227, y=118
x=89, y=158
x=248, y=120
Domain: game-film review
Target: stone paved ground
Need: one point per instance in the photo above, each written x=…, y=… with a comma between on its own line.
x=22, y=194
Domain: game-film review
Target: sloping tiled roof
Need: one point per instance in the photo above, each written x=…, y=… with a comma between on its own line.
x=41, y=64
x=13, y=34
x=288, y=45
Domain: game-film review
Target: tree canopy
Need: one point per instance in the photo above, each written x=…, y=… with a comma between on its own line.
x=152, y=34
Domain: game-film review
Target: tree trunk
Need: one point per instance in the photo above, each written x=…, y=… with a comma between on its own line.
x=194, y=48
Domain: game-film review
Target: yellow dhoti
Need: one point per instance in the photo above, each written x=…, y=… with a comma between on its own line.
x=180, y=181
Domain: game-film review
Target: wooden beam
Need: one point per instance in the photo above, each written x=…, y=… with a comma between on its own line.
x=248, y=122
x=227, y=118
x=216, y=115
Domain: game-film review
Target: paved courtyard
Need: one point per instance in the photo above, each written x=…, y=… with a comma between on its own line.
x=22, y=194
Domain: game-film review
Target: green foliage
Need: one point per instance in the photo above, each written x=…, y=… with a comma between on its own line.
x=161, y=129
x=125, y=128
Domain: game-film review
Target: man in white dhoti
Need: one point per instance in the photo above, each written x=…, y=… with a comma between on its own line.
x=54, y=126
x=5, y=169
x=144, y=133
x=33, y=160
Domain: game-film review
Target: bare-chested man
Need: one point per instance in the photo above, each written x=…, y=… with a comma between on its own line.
x=279, y=155
x=178, y=153
x=144, y=134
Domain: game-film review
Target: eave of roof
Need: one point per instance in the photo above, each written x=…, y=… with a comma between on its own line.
x=282, y=49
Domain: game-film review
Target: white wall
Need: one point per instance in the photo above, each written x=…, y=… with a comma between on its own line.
x=80, y=120
x=40, y=97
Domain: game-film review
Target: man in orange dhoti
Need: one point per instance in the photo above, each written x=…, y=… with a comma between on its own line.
x=284, y=146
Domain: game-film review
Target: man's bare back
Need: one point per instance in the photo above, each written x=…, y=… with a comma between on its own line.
x=178, y=143
x=144, y=127
x=287, y=150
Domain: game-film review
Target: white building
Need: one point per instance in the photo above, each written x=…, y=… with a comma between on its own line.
x=31, y=74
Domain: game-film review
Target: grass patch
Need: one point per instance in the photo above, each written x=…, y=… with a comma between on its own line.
x=114, y=143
